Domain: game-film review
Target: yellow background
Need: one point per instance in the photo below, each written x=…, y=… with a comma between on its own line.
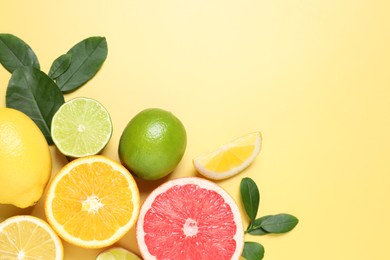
x=312, y=75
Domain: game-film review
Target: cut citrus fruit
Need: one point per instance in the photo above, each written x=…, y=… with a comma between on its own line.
x=92, y=202
x=229, y=159
x=190, y=218
x=81, y=127
x=28, y=237
x=117, y=253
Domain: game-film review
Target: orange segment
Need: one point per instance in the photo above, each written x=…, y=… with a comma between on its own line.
x=229, y=159
x=28, y=237
x=92, y=202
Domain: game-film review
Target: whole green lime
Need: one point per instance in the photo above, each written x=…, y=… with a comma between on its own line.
x=152, y=144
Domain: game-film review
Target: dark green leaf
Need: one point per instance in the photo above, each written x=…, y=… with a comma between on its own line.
x=280, y=223
x=250, y=197
x=60, y=65
x=87, y=58
x=35, y=94
x=253, y=251
x=255, y=227
x=15, y=53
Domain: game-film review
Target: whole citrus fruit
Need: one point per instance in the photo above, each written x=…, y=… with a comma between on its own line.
x=152, y=144
x=25, y=160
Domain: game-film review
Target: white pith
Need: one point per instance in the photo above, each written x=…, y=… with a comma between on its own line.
x=190, y=227
x=92, y=204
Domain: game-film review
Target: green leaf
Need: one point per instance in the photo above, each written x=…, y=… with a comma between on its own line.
x=280, y=223
x=87, y=58
x=255, y=227
x=253, y=251
x=15, y=53
x=35, y=94
x=60, y=65
x=250, y=197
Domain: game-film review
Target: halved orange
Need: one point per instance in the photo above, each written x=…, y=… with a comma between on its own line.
x=28, y=237
x=230, y=158
x=92, y=202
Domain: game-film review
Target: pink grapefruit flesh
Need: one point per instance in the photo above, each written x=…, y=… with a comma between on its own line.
x=190, y=218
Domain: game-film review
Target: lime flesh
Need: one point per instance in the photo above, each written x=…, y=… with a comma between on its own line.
x=152, y=144
x=117, y=254
x=81, y=127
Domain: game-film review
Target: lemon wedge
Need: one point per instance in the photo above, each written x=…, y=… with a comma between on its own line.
x=230, y=158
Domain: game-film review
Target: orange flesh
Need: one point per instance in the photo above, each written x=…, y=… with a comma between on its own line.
x=86, y=208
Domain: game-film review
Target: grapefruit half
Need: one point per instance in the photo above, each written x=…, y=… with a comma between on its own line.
x=190, y=218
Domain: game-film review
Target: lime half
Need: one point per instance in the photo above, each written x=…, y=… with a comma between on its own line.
x=81, y=127
x=117, y=253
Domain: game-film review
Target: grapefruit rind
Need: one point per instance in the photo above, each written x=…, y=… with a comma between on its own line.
x=202, y=183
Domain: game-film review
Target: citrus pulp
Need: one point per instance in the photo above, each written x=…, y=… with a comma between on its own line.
x=117, y=253
x=81, y=127
x=92, y=202
x=152, y=144
x=230, y=158
x=190, y=218
x=28, y=237
x=25, y=160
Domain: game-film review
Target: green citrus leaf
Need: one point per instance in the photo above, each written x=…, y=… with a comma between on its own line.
x=35, y=94
x=250, y=197
x=15, y=53
x=253, y=251
x=60, y=65
x=87, y=58
x=255, y=227
x=280, y=223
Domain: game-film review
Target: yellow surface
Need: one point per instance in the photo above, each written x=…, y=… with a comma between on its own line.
x=313, y=76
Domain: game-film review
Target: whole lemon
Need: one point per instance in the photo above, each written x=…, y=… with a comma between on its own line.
x=25, y=160
x=152, y=144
